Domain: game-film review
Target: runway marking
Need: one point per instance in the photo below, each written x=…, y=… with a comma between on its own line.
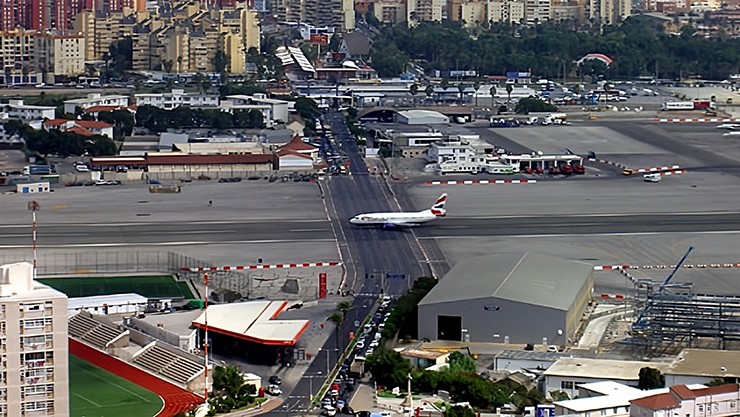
x=189, y=243
x=59, y=206
x=178, y=224
x=718, y=232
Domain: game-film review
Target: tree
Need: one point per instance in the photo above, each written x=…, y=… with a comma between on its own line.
x=388, y=367
x=492, y=91
x=461, y=363
x=459, y=411
x=227, y=380
x=650, y=378
x=414, y=90
x=220, y=62
x=533, y=105
x=306, y=108
x=344, y=306
x=167, y=65
x=509, y=89
x=337, y=318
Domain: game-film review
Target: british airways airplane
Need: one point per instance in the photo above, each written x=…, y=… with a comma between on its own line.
x=399, y=219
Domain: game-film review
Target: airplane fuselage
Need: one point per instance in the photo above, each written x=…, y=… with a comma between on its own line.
x=397, y=219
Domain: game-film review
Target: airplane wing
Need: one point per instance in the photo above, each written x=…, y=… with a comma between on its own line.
x=398, y=224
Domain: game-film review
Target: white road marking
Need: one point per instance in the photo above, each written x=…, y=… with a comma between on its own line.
x=718, y=232
x=185, y=243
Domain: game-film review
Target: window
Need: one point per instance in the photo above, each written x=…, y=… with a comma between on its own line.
x=566, y=385
x=701, y=408
x=732, y=404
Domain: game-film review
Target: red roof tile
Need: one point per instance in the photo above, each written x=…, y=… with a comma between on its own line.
x=284, y=152
x=55, y=122
x=683, y=392
x=657, y=402
x=97, y=109
x=80, y=131
x=92, y=124
x=718, y=389
x=194, y=159
x=297, y=144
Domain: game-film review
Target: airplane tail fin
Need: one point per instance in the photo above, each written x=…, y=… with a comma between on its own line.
x=438, y=208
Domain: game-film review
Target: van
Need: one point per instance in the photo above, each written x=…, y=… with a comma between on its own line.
x=651, y=177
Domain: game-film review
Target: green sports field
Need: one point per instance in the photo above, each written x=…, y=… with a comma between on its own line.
x=95, y=392
x=162, y=286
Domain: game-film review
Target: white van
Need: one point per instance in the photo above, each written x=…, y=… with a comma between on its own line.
x=651, y=177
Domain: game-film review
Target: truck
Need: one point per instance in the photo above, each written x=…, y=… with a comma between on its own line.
x=688, y=105
x=37, y=170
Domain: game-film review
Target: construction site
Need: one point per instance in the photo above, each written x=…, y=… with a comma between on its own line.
x=665, y=317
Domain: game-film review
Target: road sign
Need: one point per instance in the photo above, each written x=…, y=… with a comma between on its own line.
x=357, y=323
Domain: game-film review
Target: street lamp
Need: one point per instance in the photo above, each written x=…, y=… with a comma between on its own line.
x=310, y=384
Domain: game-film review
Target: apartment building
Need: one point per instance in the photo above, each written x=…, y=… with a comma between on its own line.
x=101, y=29
x=17, y=54
x=536, y=11
x=423, y=11
x=16, y=109
x=60, y=54
x=189, y=39
x=33, y=345
x=175, y=99
x=95, y=99
x=473, y=13
x=507, y=11
x=608, y=12
x=390, y=11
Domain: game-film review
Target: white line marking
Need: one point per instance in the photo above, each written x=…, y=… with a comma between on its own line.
x=114, y=384
x=187, y=243
x=87, y=399
x=719, y=232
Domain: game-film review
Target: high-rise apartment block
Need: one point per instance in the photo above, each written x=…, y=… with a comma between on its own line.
x=608, y=12
x=337, y=14
x=423, y=11
x=33, y=345
x=29, y=57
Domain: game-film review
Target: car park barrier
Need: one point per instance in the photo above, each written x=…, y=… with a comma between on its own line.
x=481, y=182
x=668, y=173
x=260, y=266
x=630, y=171
x=688, y=266
x=699, y=120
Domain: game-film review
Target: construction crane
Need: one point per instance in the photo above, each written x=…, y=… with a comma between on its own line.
x=667, y=281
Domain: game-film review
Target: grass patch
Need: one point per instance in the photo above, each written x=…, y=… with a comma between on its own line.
x=93, y=391
x=161, y=286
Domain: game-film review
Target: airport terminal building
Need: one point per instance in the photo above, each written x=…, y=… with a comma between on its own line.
x=508, y=298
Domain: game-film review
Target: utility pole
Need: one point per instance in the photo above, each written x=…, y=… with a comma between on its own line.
x=205, y=337
x=33, y=205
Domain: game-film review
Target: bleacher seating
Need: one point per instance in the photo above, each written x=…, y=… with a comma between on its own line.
x=168, y=364
x=85, y=327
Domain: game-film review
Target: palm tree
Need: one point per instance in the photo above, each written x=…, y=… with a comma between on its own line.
x=343, y=307
x=493, y=95
x=509, y=89
x=337, y=318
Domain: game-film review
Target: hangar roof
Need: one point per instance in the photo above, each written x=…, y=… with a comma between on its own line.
x=528, y=278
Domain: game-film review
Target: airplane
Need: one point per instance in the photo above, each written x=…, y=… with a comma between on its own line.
x=399, y=219
x=729, y=126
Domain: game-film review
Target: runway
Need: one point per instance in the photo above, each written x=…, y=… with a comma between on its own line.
x=173, y=233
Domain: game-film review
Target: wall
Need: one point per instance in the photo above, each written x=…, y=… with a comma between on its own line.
x=522, y=323
x=184, y=342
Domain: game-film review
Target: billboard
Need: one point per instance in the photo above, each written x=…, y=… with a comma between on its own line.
x=319, y=38
x=322, y=285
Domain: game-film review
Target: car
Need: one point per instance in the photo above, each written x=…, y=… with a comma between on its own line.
x=369, y=351
x=377, y=316
x=552, y=348
x=553, y=170
x=374, y=344
x=82, y=168
x=360, y=344
x=328, y=411
x=651, y=177
x=385, y=305
x=567, y=169
x=381, y=326
x=580, y=169
x=387, y=299
x=367, y=328
x=340, y=404
x=275, y=380
x=273, y=390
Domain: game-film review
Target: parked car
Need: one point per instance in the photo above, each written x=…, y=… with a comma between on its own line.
x=273, y=390
x=275, y=380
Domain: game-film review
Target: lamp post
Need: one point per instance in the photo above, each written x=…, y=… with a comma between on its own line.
x=310, y=384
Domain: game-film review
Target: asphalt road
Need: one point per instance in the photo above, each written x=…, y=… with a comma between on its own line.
x=375, y=251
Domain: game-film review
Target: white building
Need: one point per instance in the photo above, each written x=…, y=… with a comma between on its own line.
x=15, y=109
x=568, y=373
x=683, y=401
x=108, y=304
x=33, y=345
x=450, y=150
x=95, y=99
x=80, y=127
x=61, y=54
x=175, y=99
x=273, y=111
x=699, y=366
x=32, y=188
x=536, y=11
x=420, y=117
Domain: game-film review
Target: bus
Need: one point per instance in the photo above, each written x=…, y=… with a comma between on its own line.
x=37, y=170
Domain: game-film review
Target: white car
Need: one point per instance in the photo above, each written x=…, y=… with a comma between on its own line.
x=329, y=411
x=369, y=352
x=387, y=299
x=381, y=326
x=273, y=390
x=651, y=177
x=360, y=344
x=374, y=344
x=82, y=168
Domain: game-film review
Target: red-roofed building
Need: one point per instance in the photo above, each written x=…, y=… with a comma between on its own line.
x=682, y=401
x=80, y=127
x=96, y=110
x=294, y=160
x=298, y=145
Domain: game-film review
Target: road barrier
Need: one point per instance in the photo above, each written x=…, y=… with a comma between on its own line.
x=480, y=182
x=689, y=266
x=697, y=120
x=260, y=266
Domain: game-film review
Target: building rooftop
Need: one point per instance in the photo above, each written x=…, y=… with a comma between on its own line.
x=422, y=354
x=17, y=284
x=109, y=300
x=529, y=278
x=254, y=321
x=600, y=369
x=707, y=363
x=609, y=388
